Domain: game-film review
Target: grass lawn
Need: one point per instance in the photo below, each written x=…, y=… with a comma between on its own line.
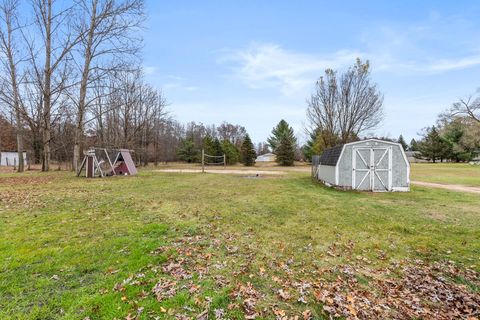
x=447, y=173
x=181, y=246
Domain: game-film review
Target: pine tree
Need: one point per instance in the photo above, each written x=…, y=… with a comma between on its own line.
x=413, y=145
x=455, y=134
x=248, y=153
x=433, y=146
x=230, y=151
x=187, y=151
x=208, y=145
x=217, y=148
x=281, y=130
x=401, y=140
x=309, y=149
x=285, y=152
x=319, y=141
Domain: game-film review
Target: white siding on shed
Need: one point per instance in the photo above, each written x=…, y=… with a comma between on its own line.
x=327, y=174
x=372, y=164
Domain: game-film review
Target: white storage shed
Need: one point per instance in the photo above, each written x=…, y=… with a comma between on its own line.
x=367, y=165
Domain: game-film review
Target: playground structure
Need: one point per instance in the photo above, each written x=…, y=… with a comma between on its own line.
x=97, y=162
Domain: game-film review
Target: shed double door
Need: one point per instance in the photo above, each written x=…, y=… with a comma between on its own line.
x=372, y=168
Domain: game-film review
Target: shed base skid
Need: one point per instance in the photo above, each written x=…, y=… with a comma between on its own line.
x=349, y=188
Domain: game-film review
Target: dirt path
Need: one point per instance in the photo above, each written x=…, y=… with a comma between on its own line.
x=452, y=187
x=224, y=171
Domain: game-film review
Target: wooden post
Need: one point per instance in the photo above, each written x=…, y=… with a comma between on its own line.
x=203, y=161
x=224, y=161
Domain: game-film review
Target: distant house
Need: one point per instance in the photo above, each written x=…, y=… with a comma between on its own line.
x=267, y=157
x=10, y=158
x=476, y=160
x=414, y=157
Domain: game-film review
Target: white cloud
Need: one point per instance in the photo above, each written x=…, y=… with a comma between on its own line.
x=167, y=82
x=434, y=45
x=149, y=70
x=269, y=65
x=178, y=86
x=455, y=64
x=425, y=66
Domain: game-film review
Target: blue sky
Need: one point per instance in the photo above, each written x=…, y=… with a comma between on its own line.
x=256, y=62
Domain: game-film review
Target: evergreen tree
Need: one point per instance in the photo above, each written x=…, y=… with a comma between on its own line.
x=309, y=149
x=217, y=148
x=285, y=152
x=433, y=146
x=208, y=145
x=231, y=152
x=401, y=140
x=282, y=130
x=187, y=151
x=413, y=145
x=319, y=141
x=248, y=153
x=454, y=134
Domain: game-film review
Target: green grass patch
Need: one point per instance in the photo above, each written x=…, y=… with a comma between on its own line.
x=65, y=242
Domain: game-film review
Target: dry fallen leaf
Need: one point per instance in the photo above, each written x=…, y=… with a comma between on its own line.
x=307, y=315
x=283, y=294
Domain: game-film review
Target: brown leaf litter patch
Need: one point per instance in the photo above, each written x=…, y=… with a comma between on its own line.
x=284, y=289
x=22, y=198
x=26, y=180
x=405, y=290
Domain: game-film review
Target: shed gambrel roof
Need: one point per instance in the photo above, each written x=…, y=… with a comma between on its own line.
x=330, y=156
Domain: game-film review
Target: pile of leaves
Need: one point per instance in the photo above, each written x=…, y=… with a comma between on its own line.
x=406, y=290
x=283, y=288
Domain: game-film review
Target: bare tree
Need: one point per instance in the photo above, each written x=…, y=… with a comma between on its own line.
x=344, y=107
x=107, y=44
x=130, y=115
x=469, y=107
x=73, y=75
x=231, y=132
x=10, y=78
x=54, y=23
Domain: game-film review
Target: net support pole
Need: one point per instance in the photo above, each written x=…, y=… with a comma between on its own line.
x=203, y=161
x=224, y=161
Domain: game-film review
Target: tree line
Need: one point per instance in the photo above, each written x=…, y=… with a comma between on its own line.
x=456, y=136
x=71, y=77
x=63, y=64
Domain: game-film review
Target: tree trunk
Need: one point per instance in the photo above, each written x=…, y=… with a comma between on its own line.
x=47, y=103
x=46, y=144
x=21, y=164
x=78, y=142
x=83, y=88
x=76, y=156
x=9, y=53
x=37, y=147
